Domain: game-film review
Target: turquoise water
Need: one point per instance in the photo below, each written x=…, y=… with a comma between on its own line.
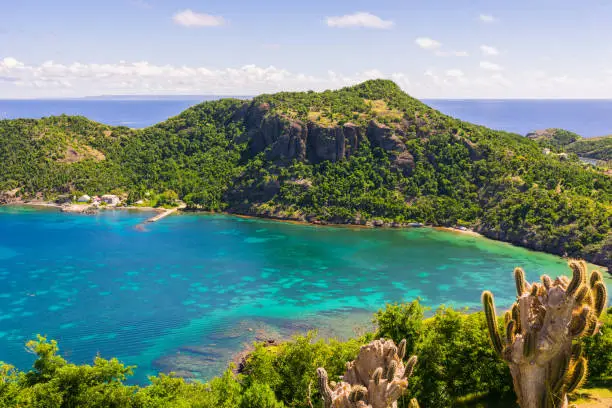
x=188, y=292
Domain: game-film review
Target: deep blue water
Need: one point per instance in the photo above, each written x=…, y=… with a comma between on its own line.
x=189, y=291
x=585, y=117
x=588, y=118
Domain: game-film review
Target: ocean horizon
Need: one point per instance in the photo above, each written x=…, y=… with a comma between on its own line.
x=587, y=117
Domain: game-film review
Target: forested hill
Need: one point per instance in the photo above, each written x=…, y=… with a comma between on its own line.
x=363, y=153
x=560, y=140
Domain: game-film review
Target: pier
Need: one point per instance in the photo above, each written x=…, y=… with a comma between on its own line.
x=166, y=213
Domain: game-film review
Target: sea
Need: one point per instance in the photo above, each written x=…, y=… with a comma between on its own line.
x=588, y=118
x=188, y=293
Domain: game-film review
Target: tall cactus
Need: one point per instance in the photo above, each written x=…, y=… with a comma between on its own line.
x=545, y=319
x=376, y=379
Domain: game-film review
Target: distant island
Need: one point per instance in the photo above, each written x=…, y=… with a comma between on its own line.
x=364, y=155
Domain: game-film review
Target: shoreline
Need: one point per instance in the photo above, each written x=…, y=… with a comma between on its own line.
x=465, y=231
x=69, y=208
x=163, y=212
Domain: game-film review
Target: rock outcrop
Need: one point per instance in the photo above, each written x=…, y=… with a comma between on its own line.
x=284, y=139
x=9, y=197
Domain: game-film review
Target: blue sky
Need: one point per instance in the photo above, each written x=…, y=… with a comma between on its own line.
x=431, y=48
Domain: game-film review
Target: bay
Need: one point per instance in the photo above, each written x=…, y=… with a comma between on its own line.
x=187, y=293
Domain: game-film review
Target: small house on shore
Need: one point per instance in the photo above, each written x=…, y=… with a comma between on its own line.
x=84, y=199
x=110, y=199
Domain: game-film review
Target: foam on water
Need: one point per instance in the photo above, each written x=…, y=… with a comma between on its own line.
x=193, y=289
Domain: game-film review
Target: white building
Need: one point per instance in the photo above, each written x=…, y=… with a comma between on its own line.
x=110, y=199
x=84, y=199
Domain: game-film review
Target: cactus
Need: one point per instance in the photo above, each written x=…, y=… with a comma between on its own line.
x=376, y=379
x=577, y=376
x=489, y=308
x=546, y=281
x=541, y=343
x=324, y=388
x=519, y=279
x=413, y=403
x=600, y=295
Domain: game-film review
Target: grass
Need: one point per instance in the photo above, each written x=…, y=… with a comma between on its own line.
x=593, y=397
x=381, y=110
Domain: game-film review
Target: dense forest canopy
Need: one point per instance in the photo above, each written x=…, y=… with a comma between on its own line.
x=358, y=154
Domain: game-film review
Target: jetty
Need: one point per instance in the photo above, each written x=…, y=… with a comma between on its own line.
x=166, y=213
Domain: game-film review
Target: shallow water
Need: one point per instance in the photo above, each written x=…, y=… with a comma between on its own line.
x=191, y=290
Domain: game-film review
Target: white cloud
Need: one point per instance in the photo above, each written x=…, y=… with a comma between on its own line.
x=452, y=54
x=189, y=18
x=454, y=73
x=146, y=78
x=490, y=66
x=359, y=19
x=487, y=18
x=489, y=50
x=20, y=79
x=9, y=62
x=427, y=43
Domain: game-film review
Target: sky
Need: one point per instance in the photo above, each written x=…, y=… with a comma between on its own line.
x=431, y=48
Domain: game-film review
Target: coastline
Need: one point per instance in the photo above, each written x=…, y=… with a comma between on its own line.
x=163, y=212
x=370, y=225
x=76, y=207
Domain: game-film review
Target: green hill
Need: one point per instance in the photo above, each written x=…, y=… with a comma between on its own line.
x=368, y=153
x=554, y=138
x=597, y=148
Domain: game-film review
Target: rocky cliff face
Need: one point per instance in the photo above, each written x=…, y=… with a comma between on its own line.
x=285, y=139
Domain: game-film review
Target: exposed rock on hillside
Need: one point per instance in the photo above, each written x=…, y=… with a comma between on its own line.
x=286, y=139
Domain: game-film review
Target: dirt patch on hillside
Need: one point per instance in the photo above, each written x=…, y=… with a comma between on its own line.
x=80, y=153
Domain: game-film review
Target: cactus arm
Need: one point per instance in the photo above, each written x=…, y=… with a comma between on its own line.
x=519, y=280
x=358, y=393
x=324, y=388
x=577, y=376
x=489, y=309
x=600, y=295
x=546, y=281
x=516, y=316
x=377, y=376
x=391, y=370
x=413, y=403
x=595, y=277
x=529, y=344
x=401, y=349
x=578, y=277
x=580, y=322
x=410, y=366
x=576, y=351
x=510, y=332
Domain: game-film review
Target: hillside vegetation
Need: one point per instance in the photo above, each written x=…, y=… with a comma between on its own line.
x=457, y=366
x=597, y=148
x=360, y=154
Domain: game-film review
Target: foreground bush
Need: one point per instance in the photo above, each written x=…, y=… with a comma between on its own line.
x=456, y=362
